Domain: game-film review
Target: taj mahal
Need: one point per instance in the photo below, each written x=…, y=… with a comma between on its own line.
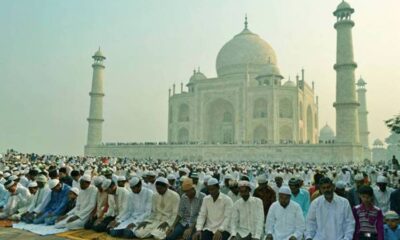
x=249, y=111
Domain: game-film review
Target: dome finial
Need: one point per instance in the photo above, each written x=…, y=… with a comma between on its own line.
x=245, y=22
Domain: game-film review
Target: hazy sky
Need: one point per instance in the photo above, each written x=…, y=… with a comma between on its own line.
x=46, y=49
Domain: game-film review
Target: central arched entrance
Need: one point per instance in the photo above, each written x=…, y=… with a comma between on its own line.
x=220, y=122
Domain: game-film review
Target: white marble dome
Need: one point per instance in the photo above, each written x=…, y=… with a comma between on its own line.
x=197, y=76
x=326, y=133
x=245, y=52
x=378, y=142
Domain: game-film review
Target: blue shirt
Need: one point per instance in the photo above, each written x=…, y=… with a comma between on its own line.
x=390, y=234
x=303, y=199
x=58, y=201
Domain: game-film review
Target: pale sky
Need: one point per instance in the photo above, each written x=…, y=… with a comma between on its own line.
x=46, y=48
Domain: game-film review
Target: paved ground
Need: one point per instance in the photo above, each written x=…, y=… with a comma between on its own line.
x=16, y=234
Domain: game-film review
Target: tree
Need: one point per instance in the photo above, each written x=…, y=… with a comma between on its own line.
x=394, y=124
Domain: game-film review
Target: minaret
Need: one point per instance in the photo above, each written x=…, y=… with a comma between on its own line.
x=95, y=119
x=346, y=101
x=362, y=113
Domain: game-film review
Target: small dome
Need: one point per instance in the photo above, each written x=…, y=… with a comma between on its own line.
x=270, y=70
x=361, y=82
x=343, y=5
x=245, y=51
x=326, y=134
x=197, y=76
x=99, y=54
x=327, y=131
x=378, y=142
x=289, y=83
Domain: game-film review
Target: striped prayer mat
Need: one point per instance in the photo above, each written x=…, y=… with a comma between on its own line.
x=6, y=223
x=83, y=234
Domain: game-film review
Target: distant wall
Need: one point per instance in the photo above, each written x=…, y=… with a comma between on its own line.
x=321, y=153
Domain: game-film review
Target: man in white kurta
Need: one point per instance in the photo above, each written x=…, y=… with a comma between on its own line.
x=247, y=215
x=19, y=197
x=330, y=217
x=285, y=218
x=164, y=212
x=33, y=188
x=85, y=203
x=382, y=193
x=140, y=204
x=117, y=206
x=215, y=213
x=39, y=201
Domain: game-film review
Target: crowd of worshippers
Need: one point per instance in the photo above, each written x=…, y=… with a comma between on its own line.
x=197, y=202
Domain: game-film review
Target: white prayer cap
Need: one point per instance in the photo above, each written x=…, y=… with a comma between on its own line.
x=171, y=177
x=98, y=180
x=212, y=181
x=134, y=181
x=162, y=180
x=206, y=178
x=262, y=179
x=16, y=173
x=285, y=190
x=41, y=178
x=228, y=176
x=9, y=184
x=358, y=177
x=53, y=183
x=7, y=175
x=13, y=178
x=244, y=184
x=340, y=185
x=381, y=179
x=86, y=178
x=121, y=178
x=26, y=171
x=106, y=184
x=152, y=173
x=1, y=173
x=32, y=184
x=75, y=190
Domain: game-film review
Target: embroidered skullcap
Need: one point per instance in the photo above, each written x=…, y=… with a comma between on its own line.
x=32, y=185
x=244, y=184
x=53, y=183
x=106, y=184
x=75, y=190
x=382, y=179
x=212, y=181
x=262, y=179
x=340, y=185
x=134, y=181
x=391, y=215
x=86, y=178
x=285, y=190
x=162, y=180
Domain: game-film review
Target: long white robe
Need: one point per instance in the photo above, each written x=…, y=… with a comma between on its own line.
x=164, y=209
x=85, y=203
x=140, y=205
x=16, y=201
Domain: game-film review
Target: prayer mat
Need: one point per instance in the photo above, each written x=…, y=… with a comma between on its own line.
x=39, y=229
x=84, y=234
x=6, y=223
